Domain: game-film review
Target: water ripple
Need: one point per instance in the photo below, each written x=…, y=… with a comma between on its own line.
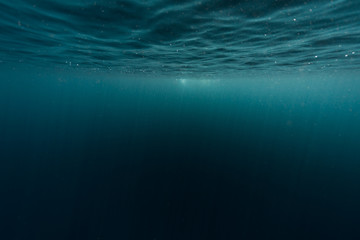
x=210, y=36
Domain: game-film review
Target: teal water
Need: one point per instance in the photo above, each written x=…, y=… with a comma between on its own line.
x=180, y=37
x=179, y=120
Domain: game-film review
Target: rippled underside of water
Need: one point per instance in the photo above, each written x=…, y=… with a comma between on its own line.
x=178, y=37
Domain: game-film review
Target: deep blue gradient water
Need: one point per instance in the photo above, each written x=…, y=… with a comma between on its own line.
x=179, y=120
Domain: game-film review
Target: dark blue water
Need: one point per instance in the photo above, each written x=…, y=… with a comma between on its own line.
x=179, y=119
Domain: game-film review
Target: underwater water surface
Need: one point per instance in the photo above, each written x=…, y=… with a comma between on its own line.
x=171, y=119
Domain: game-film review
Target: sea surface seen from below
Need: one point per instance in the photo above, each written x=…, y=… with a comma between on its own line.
x=179, y=120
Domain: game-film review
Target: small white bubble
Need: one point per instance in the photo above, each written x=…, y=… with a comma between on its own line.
x=353, y=53
x=316, y=56
x=346, y=55
x=294, y=19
